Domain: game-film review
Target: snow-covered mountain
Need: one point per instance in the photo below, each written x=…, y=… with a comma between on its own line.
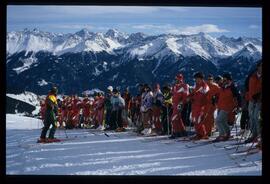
x=249, y=51
x=83, y=40
x=137, y=44
x=26, y=103
x=86, y=60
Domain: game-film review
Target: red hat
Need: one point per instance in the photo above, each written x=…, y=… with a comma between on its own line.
x=179, y=77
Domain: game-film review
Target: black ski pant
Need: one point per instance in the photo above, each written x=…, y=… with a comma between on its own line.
x=108, y=117
x=244, y=119
x=164, y=117
x=116, y=119
x=48, y=121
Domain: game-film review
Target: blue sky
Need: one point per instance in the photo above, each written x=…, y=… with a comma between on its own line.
x=233, y=22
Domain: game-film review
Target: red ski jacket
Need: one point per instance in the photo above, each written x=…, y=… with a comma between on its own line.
x=199, y=96
x=255, y=85
x=180, y=93
x=227, y=100
x=213, y=91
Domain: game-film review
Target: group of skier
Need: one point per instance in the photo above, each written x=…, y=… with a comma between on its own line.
x=167, y=110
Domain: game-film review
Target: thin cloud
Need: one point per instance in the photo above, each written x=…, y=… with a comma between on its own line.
x=73, y=26
x=168, y=28
x=253, y=27
x=205, y=28
x=151, y=26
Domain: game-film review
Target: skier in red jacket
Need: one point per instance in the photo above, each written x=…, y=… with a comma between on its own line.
x=254, y=106
x=98, y=112
x=198, y=99
x=86, y=111
x=180, y=92
x=229, y=101
x=210, y=107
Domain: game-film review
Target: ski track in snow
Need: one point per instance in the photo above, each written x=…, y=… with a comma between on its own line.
x=119, y=154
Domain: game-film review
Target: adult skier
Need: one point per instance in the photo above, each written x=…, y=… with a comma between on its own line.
x=229, y=101
x=166, y=110
x=180, y=93
x=50, y=117
x=138, y=102
x=118, y=104
x=157, y=105
x=198, y=99
x=210, y=107
x=100, y=111
x=108, y=108
x=126, y=111
x=146, y=110
x=254, y=106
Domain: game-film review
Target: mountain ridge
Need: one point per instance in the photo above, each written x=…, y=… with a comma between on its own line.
x=87, y=60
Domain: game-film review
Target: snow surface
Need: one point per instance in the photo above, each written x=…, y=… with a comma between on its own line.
x=93, y=153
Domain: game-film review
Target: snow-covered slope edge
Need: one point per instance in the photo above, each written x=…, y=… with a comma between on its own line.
x=28, y=97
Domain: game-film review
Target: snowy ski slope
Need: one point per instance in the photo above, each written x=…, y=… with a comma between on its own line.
x=90, y=152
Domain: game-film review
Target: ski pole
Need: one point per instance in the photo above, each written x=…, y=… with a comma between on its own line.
x=187, y=118
x=239, y=142
x=117, y=112
x=168, y=126
x=248, y=150
x=237, y=116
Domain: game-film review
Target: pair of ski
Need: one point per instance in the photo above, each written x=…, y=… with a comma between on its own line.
x=172, y=141
x=95, y=132
x=32, y=145
x=243, y=155
x=249, y=151
x=194, y=144
x=202, y=142
x=248, y=164
x=107, y=133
